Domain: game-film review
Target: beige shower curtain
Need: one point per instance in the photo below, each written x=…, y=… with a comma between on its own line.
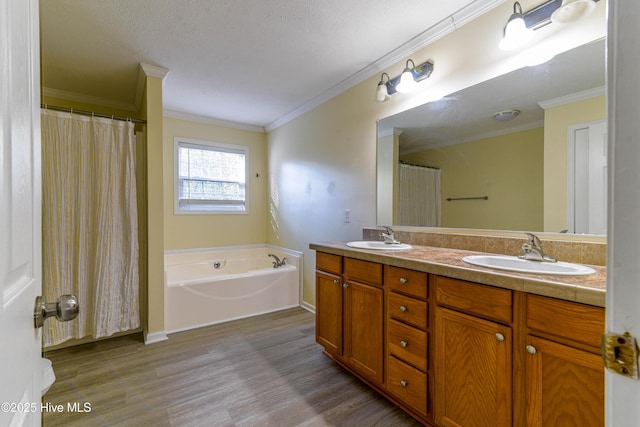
x=90, y=224
x=419, y=196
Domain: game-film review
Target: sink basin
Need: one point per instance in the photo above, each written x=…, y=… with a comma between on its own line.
x=365, y=244
x=512, y=263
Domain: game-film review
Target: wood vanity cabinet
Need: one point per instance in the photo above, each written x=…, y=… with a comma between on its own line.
x=454, y=353
x=564, y=372
x=473, y=354
x=408, y=364
x=349, y=313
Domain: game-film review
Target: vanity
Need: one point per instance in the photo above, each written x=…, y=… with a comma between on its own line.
x=455, y=344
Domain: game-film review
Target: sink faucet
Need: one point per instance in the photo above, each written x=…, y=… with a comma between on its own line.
x=389, y=237
x=532, y=250
x=277, y=263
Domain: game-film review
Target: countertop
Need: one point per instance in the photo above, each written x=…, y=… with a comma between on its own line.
x=447, y=262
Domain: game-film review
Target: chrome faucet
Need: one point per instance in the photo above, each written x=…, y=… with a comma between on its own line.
x=389, y=237
x=277, y=263
x=532, y=250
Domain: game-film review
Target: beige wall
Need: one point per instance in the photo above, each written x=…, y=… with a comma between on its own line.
x=506, y=168
x=190, y=231
x=325, y=160
x=556, y=123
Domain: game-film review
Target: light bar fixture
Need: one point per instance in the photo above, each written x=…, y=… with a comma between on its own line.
x=521, y=25
x=405, y=82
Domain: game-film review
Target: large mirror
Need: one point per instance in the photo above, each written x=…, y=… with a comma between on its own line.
x=450, y=163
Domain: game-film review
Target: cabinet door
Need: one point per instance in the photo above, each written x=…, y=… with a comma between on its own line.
x=329, y=312
x=565, y=386
x=472, y=370
x=364, y=329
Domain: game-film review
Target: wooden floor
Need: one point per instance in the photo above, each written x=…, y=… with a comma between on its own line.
x=262, y=371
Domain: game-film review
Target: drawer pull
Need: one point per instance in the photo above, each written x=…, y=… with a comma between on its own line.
x=499, y=337
x=404, y=383
x=345, y=285
x=403, y=280
x=403, y=308
x=336, y=281
x=531, y=349
x=404, y=344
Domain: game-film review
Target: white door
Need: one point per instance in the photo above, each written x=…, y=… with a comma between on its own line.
x=587, y=178
x=20, y=234
x=623, y=257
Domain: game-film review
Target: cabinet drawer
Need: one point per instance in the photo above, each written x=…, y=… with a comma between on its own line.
x=472, y=298
x=329, y=262
x=365, y=271
x=409, y=282
x=407, y=310
x=571, y=320
x=407, y=343
x=408, y=384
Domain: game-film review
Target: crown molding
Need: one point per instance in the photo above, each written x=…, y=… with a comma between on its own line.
x=153, y=70
x=573, y=97
x=87, y=99
x=493, y=134
x=212, y=121
x=439, y=30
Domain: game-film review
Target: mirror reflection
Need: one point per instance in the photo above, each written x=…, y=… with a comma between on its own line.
x=539, y=165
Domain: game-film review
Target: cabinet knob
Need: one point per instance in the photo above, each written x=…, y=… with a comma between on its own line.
x=531, y=349
x=403, y=308
x=404, y=383
x=336, y=281
x=499, y=337
x=404, y=344
x=345, y=285
x=403, y=280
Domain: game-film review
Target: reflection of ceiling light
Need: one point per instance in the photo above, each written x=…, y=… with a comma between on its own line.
x=572, y=10
x=506, y=115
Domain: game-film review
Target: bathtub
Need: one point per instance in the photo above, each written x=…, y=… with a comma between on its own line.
x=208, y=286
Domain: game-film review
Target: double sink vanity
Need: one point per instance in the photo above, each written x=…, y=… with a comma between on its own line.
x=463, y=338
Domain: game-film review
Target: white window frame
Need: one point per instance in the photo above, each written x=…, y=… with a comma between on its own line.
x=208, y=208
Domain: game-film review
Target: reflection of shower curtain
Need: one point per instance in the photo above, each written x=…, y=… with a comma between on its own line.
x=90, y=223
x=419, y=196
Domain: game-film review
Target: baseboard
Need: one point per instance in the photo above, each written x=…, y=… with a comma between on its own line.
x=155, y=337
x=308, y=307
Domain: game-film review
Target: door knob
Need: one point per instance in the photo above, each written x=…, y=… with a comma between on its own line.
x=65, y=308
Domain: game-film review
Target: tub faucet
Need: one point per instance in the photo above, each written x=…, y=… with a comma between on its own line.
x=389, y=237
x=532, y=250
x=277, y=263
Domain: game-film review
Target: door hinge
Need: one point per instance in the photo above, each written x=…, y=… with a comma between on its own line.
x=620, y=354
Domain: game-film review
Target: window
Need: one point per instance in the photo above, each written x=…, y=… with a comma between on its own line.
x=210, y=177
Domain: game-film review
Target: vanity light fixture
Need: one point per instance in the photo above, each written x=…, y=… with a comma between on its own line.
x=521, y=25
x=405, y=82
x=572, y=10
x=382, y=93
x=516, y=32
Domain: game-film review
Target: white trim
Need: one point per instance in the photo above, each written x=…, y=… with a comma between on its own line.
x=573, y=97
x=212, y=121
x=437, y=31
x=155, y=337
x=308, y=307
x=513, y=129
x=154, y=71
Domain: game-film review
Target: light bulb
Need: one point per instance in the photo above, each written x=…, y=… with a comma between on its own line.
x=407, y=83
x=381, y=93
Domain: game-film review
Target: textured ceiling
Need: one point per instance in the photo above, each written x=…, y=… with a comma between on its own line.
x=245, y=61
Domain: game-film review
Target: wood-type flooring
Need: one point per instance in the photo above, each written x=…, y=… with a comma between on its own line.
x=262, y=371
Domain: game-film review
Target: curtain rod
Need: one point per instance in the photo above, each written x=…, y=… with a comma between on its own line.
x=91, y=113
x=402, y=162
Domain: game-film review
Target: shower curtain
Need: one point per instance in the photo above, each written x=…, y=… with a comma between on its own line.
x=419, y=196
x=90, y=223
